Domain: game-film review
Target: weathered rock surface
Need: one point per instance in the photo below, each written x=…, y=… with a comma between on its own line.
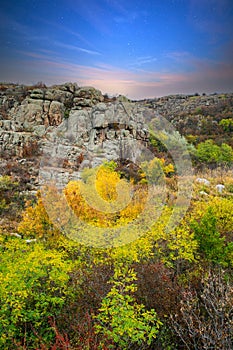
x=90, y=136
x=70, y=127
x=25, y=114
x=75, y=127
x=194, y=114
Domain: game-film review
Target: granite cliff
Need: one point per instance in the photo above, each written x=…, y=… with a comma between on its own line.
x=76, y=126
x=68, y=124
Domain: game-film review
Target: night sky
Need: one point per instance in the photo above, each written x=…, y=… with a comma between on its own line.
x=131, y=47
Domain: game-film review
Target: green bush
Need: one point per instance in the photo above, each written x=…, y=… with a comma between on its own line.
x=121, y=319
x=209, y=153
x=33, y=286
x=227, y=124
x=212, y=247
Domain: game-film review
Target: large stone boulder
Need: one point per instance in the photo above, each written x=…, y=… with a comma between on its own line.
x=87, y=97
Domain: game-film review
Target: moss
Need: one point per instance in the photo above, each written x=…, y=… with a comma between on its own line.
x=67, y=113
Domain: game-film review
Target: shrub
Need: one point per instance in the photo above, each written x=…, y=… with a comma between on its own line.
x=33, y=286
x=121, y=319
x=205, y=320
x=227, y=124
x=211, y=244
x=211, y=154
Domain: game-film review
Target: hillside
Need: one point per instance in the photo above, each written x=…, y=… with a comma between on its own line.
x=29, y=113
x=115, y=220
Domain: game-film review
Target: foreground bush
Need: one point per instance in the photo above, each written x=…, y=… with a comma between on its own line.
x=121, y=319
x=205, y=320
x=33, y=286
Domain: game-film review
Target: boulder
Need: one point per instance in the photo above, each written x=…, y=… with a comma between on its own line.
x=220, y=188
x=203, y=181
x=37, y=94
x=87, y=97
x=58, y=95
x=56, y=113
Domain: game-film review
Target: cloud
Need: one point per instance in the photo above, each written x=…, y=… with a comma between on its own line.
x=178, y=55
x=140, y=61
x=125, y=12
x=94, y=13
x=13, y=25
x=76, y=48
x=205, y=76
x=210, y=17
x=62, y=28
x=128, y=18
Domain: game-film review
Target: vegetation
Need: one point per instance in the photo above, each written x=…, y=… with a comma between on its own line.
x=227, y=124
x=209, y=153
x=158, y=292
x=153, y=288
x=33, y=287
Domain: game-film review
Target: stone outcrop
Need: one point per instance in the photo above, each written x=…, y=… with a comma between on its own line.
x=25, y=115
x=78, y=127
x=107, y=131
x=196, y=115
x=172, y=105
x=71, y=127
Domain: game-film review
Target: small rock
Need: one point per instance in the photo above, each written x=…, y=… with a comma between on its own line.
x=203, y=193
x=30, y=240
x=203, y=181
x=219, y=188
x=15, y=235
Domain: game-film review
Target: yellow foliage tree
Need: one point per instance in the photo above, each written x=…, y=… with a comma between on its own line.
x=104, y=199
x=36, y=222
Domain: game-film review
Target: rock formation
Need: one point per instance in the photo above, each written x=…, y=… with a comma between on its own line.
x=69, y=125
x=75, y=127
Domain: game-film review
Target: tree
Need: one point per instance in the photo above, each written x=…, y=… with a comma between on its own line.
x=226, y=156
x=153, y=171
x=211, y=245
x=227, y=124
x=36, y=222
x=121, y=318
x=33, y=286
x=207, y=152
x=104, y=198
x=205, y=320
x=211, y=154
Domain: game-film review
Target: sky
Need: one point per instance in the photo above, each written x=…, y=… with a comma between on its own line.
x=141, y=49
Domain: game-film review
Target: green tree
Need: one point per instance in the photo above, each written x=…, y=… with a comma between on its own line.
x=226, y=156
x=209, y=153
x=33, y=286
x=211, y=245
x=227, y=124
x=121, y=318
x=153, y=171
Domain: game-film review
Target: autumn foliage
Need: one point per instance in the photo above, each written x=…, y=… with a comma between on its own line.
x=168, y=289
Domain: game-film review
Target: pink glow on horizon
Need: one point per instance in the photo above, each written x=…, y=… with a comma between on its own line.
x=136, y=84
